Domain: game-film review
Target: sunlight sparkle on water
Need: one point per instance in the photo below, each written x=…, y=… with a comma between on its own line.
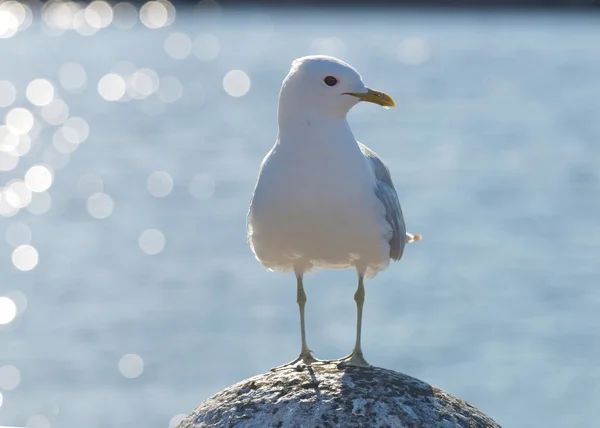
x=160, y=184
x=176, y=420
x=38, y=421
x=157, y=14
x=55, y=159
x=169, y=89
x=38, y=178
x=72, y=76
x=142, y=83
x=100, y=205
x=125, y=16
x=202, y=187
x=40, y=203
x=333, y=46
x=8, y=93
x=178, y=45
x=236, y=83
x=414, y=51
x=18, y=233
x=25, y=257
x=19, y=120
x=89, y=184
x=76, y=130
x=131, y=366
x=111, y=87
x=40, y=92
x=98, y=14
x=8, y=310
x=17, y=194
x=10, y=377
x=152, y=241
x=19, y=299
x=55, y=112
x=206, y=47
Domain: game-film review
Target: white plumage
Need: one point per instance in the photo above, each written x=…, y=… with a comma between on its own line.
x=323, y=200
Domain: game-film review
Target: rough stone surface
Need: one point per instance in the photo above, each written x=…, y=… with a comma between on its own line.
x=325, y=396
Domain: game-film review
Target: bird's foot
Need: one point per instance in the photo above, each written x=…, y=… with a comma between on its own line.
x=355, y=359
x=304, y=359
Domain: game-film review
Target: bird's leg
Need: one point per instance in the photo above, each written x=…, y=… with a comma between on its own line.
x=356, y=358
x=305, y=353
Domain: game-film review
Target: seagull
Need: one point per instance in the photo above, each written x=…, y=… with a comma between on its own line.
x=322, y=199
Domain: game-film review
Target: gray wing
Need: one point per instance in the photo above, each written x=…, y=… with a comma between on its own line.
x=386, y=193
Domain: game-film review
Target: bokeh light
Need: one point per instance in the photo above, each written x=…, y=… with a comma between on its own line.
x=40, y=203
x=131, y=366
x=38, y=421
x=89, y=184
x=8, y=161
x=61, y=144
x=8, y=140
x=20, y=11
x=414, y=51
x=8, y=310
x=72, y=77
x=160, y=184
x=157, y=14
x=152, y=241
x=236, y=83
x=6, y=209
x=100, y=205
x=18, y=233
x=142, y=83
x=19, y=299
x=10, y=378
x=60, y=15
x=22, y=147
x=38, y=178
x=202, y=186
x=169, y=89
x=19, y=120
x=9, y=24
x=8, y=93
x=98, y=14
x=17, y=194
x=111, y=87
x=25, y=257
x=333, y=46
x=176, y=420
x=40, y=92
x=178, y=45
x=55, y=112
x=75, y=130
x=55, y=159
x=125, y=16
x=206, y=47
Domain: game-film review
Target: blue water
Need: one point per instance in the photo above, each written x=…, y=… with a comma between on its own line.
x=495, y=151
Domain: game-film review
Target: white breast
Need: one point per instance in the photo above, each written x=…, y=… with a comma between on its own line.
x=314, y=206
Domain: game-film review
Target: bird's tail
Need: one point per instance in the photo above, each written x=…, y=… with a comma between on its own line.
x=412, y=238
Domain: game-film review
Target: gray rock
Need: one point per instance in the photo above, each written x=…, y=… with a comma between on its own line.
x=325, y=396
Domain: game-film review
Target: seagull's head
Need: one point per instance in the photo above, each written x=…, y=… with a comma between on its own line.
x=326, y=86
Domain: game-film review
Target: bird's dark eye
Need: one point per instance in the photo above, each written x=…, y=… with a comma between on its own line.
x=330, y=81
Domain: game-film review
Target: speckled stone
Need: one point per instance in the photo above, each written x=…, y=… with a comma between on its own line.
x=325, y=396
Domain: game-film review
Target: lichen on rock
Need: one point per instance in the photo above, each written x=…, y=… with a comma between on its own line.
x=326, y=396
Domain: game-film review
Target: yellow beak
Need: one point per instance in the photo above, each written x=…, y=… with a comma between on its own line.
x=376, y=97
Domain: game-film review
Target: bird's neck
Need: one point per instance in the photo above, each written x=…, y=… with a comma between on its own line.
x=312, y=129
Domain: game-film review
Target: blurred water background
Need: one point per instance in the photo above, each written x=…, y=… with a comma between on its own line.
x=129, y=145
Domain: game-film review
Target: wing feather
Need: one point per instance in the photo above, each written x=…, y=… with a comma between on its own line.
x=386, y=193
